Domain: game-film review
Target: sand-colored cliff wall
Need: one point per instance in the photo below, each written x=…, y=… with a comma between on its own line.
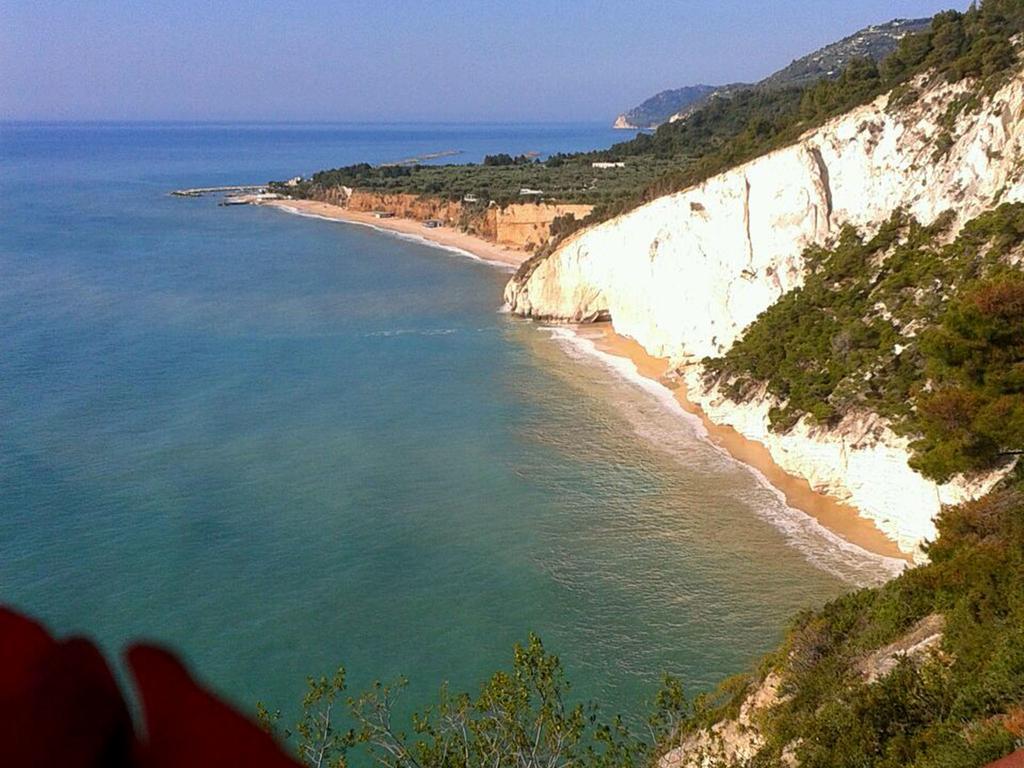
x=526, y=226
x=407, y=206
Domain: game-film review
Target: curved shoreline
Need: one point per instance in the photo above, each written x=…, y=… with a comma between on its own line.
x=839, y=518
x=445, y=237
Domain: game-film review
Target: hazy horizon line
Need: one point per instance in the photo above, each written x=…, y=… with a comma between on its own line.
x=240, y=121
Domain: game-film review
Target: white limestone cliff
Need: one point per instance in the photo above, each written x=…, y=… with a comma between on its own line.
x=686, y=273
x=861, y=461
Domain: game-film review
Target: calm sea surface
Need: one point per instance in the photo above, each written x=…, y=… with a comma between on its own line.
x=279, y=444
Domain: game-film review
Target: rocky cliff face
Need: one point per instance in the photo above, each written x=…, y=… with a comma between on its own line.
x=737, y=740
x=685, y=274
x=526, y=226
x=405, y=205
x=861, y=461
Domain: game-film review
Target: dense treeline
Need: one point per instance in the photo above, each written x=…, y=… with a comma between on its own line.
x=505, y=159
x=926, y=334
x=497, y=180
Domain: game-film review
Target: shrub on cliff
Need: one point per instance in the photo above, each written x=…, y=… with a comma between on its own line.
x=522, y=717
x=929, y=335
x=974, y=412
x=953, y=707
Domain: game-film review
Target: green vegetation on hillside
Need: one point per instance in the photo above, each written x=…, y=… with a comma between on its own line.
x=521, y=718
x=558, y=178
x=874, y=43
x=960, y=706
x=663, y=105
x=727, y=132
x=724, y=132
x=929, y=335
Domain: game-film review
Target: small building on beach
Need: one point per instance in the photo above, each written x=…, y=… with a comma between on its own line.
x=383, y=215
x=433, y=223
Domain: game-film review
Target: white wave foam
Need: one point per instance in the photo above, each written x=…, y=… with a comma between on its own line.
x=419, y=239
x=627, y=370
x=815, y=542
x=413, y=332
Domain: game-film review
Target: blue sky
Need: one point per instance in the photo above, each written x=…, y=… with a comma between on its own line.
x=389, y=60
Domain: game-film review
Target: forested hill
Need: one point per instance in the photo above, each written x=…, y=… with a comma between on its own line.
x=660, y=107
x=874, y=43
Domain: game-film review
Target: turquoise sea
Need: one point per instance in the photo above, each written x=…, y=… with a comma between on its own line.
x=280, y=444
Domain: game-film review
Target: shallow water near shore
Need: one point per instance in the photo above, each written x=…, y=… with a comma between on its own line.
x=279, y=444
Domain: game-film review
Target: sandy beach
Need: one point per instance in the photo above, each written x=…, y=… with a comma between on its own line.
x=446, y=236
x=840, y=518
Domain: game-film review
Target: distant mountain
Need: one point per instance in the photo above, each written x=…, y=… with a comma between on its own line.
x=874, y=42
x=662, y=106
